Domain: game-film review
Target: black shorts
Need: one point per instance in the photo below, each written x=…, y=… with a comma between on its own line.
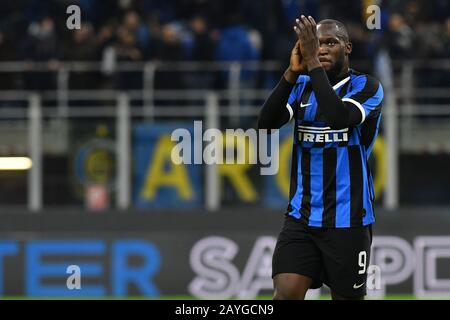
x=337, y=257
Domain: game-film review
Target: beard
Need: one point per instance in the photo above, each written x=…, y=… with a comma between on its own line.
x=335, y=71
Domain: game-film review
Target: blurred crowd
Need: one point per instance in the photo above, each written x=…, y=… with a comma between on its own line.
x=203, y=30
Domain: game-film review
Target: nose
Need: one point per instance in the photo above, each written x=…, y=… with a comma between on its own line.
x=323, y=50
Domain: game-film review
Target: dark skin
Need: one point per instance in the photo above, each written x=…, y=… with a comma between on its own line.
x=317, y=46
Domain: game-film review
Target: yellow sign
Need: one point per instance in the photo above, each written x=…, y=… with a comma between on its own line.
x=176, y=176
x=162, y=172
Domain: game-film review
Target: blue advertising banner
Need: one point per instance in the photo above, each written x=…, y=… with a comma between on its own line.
x=64, y=267
x=158, y=181
x=199, y=254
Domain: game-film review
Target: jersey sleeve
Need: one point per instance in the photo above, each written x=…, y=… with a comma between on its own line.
x=292, y=104
x=367, y=95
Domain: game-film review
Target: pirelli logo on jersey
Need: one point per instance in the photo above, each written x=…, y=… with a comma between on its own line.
x=322, y=134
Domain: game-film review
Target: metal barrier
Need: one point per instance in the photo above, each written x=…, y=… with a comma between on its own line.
x=399, y=118
x=35, y=113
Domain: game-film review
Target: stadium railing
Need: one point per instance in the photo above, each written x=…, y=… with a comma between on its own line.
x=402, y=115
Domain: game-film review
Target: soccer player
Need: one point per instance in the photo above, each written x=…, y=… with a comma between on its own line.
x=327, y=231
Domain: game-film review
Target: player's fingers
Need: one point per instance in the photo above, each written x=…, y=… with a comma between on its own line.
x=297, y=31
x=313, y=24
x=307, y=25
x=297, y=27
x=301, y=28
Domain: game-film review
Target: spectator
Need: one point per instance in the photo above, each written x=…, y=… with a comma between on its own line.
x=203, y=46
x=82, y=47
x=42, y=46
x=446, y=39
x=133, y=24
x=154, y=27
x=360, y=40
x=429, y=37
x=178, y=30
x=203, y=43
x=235, y=44
x=127, y=50
x=170, y=49
x=7, y=53
x=106, y=35
x=399, y=38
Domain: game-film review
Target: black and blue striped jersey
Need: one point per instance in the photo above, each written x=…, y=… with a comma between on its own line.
x=331, y=183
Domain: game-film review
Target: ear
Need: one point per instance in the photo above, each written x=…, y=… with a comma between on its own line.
x=348, y=48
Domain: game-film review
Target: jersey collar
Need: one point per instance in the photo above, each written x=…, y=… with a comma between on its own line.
x=343, y=81
x=340, y=83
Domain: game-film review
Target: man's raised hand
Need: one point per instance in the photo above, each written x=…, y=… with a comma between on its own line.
x=306, y=30
x=296, y=64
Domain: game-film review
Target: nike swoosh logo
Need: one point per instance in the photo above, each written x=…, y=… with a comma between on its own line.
x=304, y=105
x=355, y=286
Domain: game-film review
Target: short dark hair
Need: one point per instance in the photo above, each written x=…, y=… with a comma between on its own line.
x=341, y=28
